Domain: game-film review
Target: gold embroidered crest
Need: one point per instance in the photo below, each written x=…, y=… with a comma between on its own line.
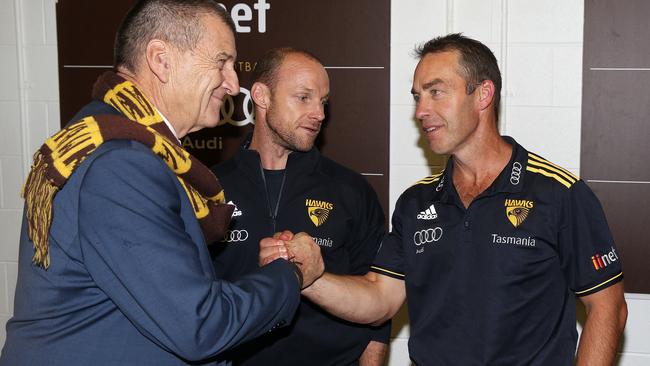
x=318, y=211
x=517, y=210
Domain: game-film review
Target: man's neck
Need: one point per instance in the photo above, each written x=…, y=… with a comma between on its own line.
x=154, y=96
x=272, y=155
x=478, y=165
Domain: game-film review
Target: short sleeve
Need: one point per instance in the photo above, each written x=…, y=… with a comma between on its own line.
x=368, y=233
x=381, y=333
x=589, y=257
x=390, y=257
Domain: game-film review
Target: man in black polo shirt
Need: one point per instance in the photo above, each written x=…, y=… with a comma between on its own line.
x=491, y=252
x=279, y=180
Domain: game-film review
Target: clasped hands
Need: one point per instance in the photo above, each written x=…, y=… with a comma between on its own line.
x=299, y=249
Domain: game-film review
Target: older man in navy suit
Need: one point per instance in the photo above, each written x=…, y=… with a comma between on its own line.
x=114, y=268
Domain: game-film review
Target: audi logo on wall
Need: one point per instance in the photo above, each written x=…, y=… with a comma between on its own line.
x=230, y=109
x=427, y=236
x=234, y=236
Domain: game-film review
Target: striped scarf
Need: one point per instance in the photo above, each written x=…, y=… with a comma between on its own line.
x=62, y=153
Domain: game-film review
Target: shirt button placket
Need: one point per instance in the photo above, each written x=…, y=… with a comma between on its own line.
x=467, y=228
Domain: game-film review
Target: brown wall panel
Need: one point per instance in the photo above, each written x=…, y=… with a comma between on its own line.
x=616, y=126
x=616, y=33
x=628, y=209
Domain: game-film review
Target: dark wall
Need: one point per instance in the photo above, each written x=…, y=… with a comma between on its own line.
x=616, y=126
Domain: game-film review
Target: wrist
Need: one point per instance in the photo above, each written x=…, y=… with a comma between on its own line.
x=298, y=273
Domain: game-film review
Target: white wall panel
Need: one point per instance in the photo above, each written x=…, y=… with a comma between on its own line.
x=8, y=73
x=10, y=221
x=37, y=126
x=12, y=274
x=12, y=182
x=414, y=21
x=7, y=22
x=478, y=19
x=567, y=76
x=42, y=73
x=401, y=77
x=550, y=21
x=34, y=16
x=10, y=143
x=530, y=75
x=549, y=131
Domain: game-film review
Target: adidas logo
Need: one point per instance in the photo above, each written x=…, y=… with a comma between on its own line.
x=428, y=214
x=237, y=211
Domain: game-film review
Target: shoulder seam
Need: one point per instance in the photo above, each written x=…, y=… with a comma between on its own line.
x=544, y=167
x=430, y=179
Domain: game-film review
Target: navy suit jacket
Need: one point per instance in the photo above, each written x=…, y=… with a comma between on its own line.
x=131, y=281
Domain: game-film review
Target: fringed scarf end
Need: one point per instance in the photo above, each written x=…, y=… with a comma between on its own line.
x=39, y=194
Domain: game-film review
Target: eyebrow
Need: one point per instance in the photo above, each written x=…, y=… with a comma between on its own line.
x=224, y=54
x=303, y=89
x=429, y=84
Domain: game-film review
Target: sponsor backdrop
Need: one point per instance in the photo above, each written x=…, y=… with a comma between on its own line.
x=351, y=38
x=615, y=127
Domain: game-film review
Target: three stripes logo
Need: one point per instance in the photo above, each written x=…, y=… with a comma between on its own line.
x=428, y=214
x=544, y=167
x=318, y=211
x=517, y=210
x=600, y=261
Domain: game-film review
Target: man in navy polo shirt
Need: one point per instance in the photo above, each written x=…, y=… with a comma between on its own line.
x=491, y=252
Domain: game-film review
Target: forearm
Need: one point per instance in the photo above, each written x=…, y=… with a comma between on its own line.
x=374, y=354
x=601, y=334
x=359, y=299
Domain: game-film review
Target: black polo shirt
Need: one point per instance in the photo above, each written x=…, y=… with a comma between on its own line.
x=496, y=283
x=334, y=205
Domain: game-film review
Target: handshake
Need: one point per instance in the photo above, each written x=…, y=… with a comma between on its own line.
x=298, y=249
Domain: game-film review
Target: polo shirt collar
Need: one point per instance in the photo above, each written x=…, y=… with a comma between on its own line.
x=510, y=180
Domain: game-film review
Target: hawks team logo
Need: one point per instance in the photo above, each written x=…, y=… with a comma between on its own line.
x=518, y=210
x=318, y=211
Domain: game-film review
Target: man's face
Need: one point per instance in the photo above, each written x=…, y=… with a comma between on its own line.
x=296, y=108
x=448, y=116
x=202, y=77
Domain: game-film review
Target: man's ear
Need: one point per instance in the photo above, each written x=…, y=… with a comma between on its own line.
x=485, y=92
x=261, y=95
x=158, y=57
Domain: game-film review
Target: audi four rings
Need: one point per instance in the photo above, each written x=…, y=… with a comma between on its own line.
x=233, y=236
x=516, y=173
x=427, y=236
x=228, y=110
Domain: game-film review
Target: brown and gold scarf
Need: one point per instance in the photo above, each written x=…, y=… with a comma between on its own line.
x=60, y=155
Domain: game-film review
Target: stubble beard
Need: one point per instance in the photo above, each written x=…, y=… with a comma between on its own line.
x=286, y=138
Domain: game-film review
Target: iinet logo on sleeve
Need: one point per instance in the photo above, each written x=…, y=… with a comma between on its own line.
x=600, y=261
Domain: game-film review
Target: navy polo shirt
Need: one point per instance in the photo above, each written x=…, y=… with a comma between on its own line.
x=496, y=283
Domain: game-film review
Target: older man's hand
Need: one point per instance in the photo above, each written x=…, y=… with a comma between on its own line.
x=304, y=253
x=274, y=248
x=299, y=249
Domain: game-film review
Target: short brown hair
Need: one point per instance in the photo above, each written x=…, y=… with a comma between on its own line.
x=477, y=61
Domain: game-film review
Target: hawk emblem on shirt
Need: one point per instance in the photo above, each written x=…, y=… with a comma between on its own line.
x=517, y=210
x=318, y=211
